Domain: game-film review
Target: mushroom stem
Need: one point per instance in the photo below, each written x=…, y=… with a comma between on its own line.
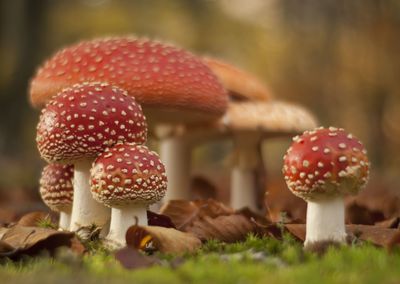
x=122, y=219
x=85, y=210
x=243, y=179
x=65, y=220
x=325, y=221
x=175, y=154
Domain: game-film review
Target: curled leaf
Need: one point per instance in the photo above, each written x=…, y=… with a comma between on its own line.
x=36, y=219
x=31, y=240
x=392, y=223
x=183, y=213
x=165, y=240
x=228, y=229
x=155, y=219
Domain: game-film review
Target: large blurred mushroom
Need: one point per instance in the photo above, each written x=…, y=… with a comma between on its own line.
x=241, y=85
x=57, y=192
x=76, y=126
x=174, y=87
x=249, y=124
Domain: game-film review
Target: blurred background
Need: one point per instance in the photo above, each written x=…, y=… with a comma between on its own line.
x=338, y=58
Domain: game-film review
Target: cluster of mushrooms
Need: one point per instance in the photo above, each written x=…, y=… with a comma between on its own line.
x=100, y=100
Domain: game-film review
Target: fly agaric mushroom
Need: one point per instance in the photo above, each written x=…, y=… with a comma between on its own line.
x=240, y=85
x=57, y=192
x=127, y=178
x=321, y=166
x=77, y=125
x=250, y=123
x=173, y=86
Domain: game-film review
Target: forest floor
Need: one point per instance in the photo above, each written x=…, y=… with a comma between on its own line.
x=257, y=260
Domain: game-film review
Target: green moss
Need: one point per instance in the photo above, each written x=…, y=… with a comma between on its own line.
x=254, y=261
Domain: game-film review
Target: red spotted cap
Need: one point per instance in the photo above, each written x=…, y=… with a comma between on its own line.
x=56, y=186
x=83, y=120
x=126, y=174
x=160, y=76
x=325, y=162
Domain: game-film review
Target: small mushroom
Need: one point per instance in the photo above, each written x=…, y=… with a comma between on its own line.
x=57, y=192
x=77, y=125
x=321, y=166
x=127, y=178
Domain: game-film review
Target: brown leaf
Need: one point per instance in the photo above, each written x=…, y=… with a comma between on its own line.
x=251, y=215
x=183, y=213
x=160, y=220
x=131, y=258
x=392, y=223
x=77, y=247
x=394, y=242
x=6, y=249
x=33, y=219
x=378, y=197
x=228, y=229
x=377, y=235
x=165, y=240
x=360, y=214
x=279, y=200
x=31, y=240
x=297, y=230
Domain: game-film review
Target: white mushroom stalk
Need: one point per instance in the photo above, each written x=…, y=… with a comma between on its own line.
x=124, y=217
x=86, y=211
x=127, y=178
x=77, y=125
x=322, y=166
x=325, y=221
x=243, y=179
x=65, y=221
x=175, y=153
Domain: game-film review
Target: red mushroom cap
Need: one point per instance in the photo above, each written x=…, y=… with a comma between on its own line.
x=83, y=120
x=56, y=187
x=158, y=75
x=126, y=174
x=325, y=162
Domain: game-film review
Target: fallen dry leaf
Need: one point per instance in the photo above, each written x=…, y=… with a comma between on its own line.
x=228, y=229
x=165, y=240
x=183, y=213
x=131, y=258
x=251, y=215
x=280, y=202
x=376, y=235
x=33, y=219
x=392, y=223
x=160, y=220
x=360, y=214
x=32, y=240
x=378, y=196
x=394, y=242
